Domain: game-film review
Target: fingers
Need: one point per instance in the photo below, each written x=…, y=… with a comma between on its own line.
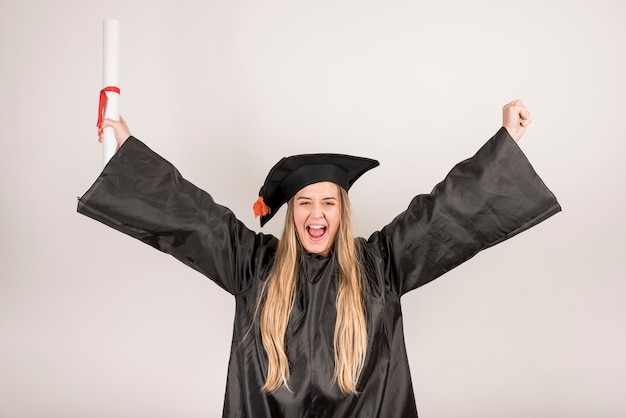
x=516, y=111
x=106, y=123
x=120, y=127
x=516, y=106
x=524, y=117
x=109, y=123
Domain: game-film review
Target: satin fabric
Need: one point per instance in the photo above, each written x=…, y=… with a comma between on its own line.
x=484, y=200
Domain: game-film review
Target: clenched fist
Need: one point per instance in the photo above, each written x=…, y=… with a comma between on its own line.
x=515, y=118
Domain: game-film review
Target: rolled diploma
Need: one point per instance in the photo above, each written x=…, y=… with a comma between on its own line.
x=110, y=77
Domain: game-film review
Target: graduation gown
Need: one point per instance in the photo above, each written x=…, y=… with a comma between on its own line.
x=484, y=200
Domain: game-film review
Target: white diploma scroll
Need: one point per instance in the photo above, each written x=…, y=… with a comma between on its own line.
x=110, y=78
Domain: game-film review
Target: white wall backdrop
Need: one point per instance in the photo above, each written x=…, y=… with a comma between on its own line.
x=95, y=324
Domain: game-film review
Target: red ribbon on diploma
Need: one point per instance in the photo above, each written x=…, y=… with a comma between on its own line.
x=103, y=101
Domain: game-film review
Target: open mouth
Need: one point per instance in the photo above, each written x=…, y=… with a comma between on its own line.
x=316, y=232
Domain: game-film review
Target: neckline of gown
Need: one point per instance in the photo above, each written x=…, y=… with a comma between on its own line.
x=314, y=265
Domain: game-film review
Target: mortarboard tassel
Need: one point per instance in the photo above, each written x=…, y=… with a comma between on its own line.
x=260, y=208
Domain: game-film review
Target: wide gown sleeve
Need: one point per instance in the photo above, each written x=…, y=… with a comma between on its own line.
x=141, y=194
x=484, y=200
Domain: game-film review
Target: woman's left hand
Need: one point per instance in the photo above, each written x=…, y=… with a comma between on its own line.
x=515, y=118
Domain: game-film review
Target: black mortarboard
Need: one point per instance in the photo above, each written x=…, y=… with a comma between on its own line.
x=291, y=174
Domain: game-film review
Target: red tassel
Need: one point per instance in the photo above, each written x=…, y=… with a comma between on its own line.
x=260, y=208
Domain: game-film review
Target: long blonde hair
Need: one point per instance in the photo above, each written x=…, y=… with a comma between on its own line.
x=279, y=291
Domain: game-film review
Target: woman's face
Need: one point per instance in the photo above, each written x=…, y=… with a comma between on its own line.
x=316, y=213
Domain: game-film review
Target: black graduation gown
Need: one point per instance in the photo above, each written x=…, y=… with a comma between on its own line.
x=481, y=202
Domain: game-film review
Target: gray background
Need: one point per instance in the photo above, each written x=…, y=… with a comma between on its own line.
x=95, y=324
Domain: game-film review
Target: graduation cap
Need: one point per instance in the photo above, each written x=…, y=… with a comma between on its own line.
x=293, y=173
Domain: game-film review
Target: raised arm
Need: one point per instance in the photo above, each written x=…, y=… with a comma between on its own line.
x=484, y=200
x=142, y=195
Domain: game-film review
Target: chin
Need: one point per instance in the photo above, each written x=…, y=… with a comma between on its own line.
x=319, y=249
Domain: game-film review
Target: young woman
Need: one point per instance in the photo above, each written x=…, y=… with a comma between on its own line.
x=318, y=321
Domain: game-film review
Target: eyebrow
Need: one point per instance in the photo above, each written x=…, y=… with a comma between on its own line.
x=310, y=198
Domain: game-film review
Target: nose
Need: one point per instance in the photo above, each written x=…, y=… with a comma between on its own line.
x=317, y=211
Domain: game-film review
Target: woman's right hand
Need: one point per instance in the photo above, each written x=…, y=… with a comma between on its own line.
x=122, y=133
